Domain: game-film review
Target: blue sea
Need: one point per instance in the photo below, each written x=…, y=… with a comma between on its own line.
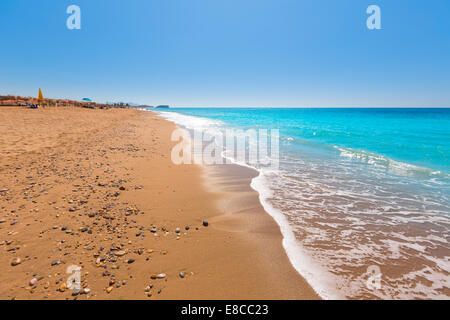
x=356, y=189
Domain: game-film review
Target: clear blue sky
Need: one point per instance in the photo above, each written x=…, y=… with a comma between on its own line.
x=284, y=53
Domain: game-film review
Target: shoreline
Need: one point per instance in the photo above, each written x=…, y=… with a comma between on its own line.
x=243, y=214
x=299, y=260
x=241, y=190
x=109, y=172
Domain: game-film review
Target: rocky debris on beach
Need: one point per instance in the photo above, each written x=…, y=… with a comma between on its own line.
x=63, y=207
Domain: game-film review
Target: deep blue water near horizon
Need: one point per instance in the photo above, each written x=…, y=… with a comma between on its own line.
x=355, y=187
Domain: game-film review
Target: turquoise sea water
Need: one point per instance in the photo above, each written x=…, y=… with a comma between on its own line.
x=355, y=188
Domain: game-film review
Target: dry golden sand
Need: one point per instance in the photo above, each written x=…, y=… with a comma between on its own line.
x=66, y=168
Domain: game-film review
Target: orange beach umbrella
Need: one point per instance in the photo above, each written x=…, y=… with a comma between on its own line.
x=40, y=96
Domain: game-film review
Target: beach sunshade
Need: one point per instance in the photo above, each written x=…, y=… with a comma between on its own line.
x=40, y=96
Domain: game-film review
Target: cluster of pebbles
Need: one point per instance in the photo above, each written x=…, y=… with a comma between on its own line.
x=64, y=207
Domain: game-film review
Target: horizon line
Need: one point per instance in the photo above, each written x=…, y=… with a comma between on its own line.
x=134, y=104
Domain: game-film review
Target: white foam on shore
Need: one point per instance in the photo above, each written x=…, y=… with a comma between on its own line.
x=190, y=122
x=319, y=279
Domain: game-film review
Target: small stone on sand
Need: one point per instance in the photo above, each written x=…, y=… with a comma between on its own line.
x=15, y=262
x=62, y=287
x=120, y=253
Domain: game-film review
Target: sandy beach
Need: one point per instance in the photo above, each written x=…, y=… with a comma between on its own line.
x=97, y=189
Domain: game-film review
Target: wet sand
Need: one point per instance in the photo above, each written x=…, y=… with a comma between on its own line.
x=97, y=189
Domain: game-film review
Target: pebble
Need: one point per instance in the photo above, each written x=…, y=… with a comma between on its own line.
x=62, y=287
x=177, y=230
x=33, y=281
x=86, y=290
x=76, y=292
x=161, y=276
x=205, y=223
x=187, y=227
x=120, y=253
x=130, y=261
x=109, y=289
x=15, y=262
x=55, y=263
x=182, y=274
